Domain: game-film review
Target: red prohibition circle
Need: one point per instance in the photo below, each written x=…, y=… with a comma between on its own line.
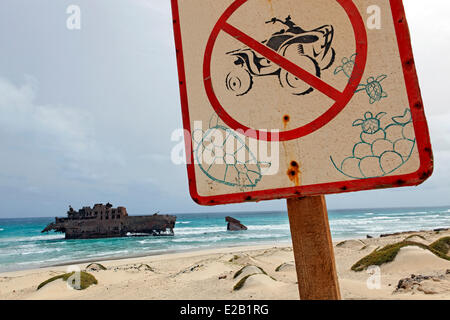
x=341, y=98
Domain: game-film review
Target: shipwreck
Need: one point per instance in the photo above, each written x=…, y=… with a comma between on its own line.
x=104, y=221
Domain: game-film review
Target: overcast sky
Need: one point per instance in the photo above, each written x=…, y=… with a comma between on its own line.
x=86, y=116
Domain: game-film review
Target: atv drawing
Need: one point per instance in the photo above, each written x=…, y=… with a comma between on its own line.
x=310, y=50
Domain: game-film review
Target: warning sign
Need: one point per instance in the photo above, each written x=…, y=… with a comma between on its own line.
x=286, y=98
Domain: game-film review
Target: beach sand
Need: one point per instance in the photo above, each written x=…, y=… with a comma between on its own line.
x=209, y=274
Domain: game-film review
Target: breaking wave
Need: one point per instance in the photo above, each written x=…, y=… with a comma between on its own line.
x=23, y=246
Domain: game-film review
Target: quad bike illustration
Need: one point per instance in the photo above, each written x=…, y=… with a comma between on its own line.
x=310, y=50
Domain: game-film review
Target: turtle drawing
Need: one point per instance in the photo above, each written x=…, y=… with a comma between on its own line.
x=347, y=66
x=370, y=125
x=373, y=88
x=379, y=151
x=227, y=167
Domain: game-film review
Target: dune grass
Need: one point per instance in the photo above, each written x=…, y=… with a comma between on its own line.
x=277, y=269
x=86, y=280
x=441, y=245
x=388, y=253
x=241, y=282
x=341, y=243
x=102, y=267
x=238, y=273
x=145, y=266
x=364, y=248
x=415, y=235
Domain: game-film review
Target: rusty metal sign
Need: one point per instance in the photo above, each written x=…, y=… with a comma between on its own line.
x=285, y=98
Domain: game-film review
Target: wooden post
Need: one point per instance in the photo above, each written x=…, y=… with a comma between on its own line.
x=313, y=249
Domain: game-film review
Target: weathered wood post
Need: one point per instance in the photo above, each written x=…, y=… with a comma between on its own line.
x=313, y=249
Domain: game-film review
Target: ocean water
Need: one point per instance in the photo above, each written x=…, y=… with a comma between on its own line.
x=23, y=246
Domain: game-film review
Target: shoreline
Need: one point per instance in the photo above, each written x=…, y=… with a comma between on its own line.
x=191, y=250
x=166, y=253
x=211, y=273
x=157, y=256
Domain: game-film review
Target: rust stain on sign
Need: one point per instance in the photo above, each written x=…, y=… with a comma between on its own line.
x=271, y=7
x=294, y=173
x=286, y=119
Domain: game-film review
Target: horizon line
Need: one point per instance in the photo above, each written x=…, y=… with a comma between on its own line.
x=263, y=212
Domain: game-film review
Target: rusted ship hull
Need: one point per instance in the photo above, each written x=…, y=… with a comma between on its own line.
x=90, y=229
x=105, y=222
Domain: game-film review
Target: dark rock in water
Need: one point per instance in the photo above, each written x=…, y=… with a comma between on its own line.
x=234, y=224
x=369, y=237
x=440, y=229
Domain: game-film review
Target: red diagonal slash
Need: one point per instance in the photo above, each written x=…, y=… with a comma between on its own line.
x=341, y=98
x=284, y=63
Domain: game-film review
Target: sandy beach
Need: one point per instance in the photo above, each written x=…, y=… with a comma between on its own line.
x=265, y=272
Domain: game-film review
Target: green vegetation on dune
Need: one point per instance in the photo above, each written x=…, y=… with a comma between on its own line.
x=278, y=269
x=340, y=243
x=86, y=280
x=442, y=245
x=241, y=282
x=388, y=253
x=364, y=248
x=49, y=280
x=238, y=273
x=415, y=235
x=145, y=266
x=102, y=267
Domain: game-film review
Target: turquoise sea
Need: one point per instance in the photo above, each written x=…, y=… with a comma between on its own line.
x=22, y=246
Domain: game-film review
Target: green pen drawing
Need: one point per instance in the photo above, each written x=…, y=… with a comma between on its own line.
x=380, y=151
x=227, y=167
x=374, y=89
x=347, y=66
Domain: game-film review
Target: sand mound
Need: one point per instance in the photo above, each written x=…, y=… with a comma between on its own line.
x=248, y=270
x=191, y=269
x=95, y=267
x=274, y=255
x=256, y=281
x=134, y=268
x=413, y=259
x=242, y=259
x=286, y=267
x=144, y=267
x=417, y=238
x=52, y=290
x=206, y=270
x=351, y=244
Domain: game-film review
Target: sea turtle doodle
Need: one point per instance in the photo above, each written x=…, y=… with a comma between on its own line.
x=380, y=151
x=311, y=50
x=373, y=88
x=228, y=169
x=347, y=66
